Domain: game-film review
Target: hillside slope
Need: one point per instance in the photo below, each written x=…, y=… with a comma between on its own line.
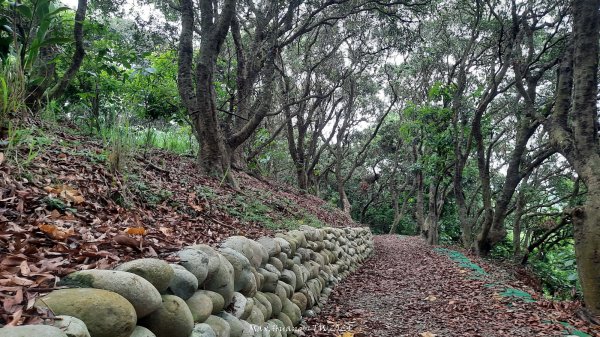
x=62, y=208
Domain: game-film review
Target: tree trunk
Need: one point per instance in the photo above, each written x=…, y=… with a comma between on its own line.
x=213, y=156
x=461, y=204
x=196, y=89
x=396, y=206
x=420, y=203
x=78, y=55
x=586, y=222
x=517, y=225
x=430, y=230
x=344, y=203
x=573, y=130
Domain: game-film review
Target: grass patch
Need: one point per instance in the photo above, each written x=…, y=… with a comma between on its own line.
x=177, y=139
x=268, y=214
x=24, y=145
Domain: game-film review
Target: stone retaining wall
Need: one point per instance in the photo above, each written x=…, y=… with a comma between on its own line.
x=244, y=288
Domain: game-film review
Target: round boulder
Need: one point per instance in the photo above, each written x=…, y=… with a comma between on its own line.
x=196, y=262
x=144, y=297
x=286, y=320
x=219, y=326
x=256, y=316
x=140, y=331
x=284, y=245
x=236, y=328
x=242, y=306
x=184, y=284
x=32, y=330
x=242, y=270
x=173, y=319
x=276, y=263
x=275, y=302
x=222, y=281
x=289, y=277
x=201, y=305
x=203, y=330
x=72, y=326
x=270, y=280
x=218, y=302
x=252, y=250
x=105, y=314
x=300, y=300
x=271, y=245
x=292, y=311
x=268, y=312
x=155, y=271
x=213, y=256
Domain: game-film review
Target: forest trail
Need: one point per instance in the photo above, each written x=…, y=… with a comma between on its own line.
x=411, y=289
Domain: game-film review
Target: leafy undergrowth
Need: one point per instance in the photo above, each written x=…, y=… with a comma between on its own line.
x=62, y=209
x=410, y=289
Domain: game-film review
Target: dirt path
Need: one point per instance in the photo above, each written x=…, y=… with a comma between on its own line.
x=409, y=289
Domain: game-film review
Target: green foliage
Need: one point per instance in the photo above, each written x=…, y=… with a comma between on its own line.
x=557, y=270
x=261, y=208
x=24, y=145
x=31, y=33
x=503, y=249
x=450, y=230
x=120, y=144
x=34, y=24
x=177, y=139
x=148, y=195
x=54, y=204
x=13, y=89
x=154, y=88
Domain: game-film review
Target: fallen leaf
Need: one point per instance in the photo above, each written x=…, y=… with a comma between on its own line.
x=430, y=298
x=135, y=231
x=166, y=231
x=347, y=334
x=1, y=158
x=55, y=232
x=125, y=240
x=16, y=317
x=497, y=297
x=66, y=192
x=15, y=280
x=428, y=334
x=25, y=270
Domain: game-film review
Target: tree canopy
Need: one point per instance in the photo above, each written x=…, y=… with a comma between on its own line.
x=465, y=122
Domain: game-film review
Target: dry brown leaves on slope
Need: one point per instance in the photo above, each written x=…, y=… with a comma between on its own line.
x=66, y=211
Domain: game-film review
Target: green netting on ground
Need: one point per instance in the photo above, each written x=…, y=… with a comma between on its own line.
x=518, y=294
x=462, y=260
x=465, y=262
x=572, y=331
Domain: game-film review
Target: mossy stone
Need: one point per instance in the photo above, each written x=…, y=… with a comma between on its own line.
x=105, y=313
x=172, y=319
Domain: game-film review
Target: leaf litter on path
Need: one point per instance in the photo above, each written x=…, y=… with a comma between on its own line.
x=409, y=289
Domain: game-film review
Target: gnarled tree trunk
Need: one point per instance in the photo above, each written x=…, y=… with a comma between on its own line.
x=196, y=87
x=573, y=129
